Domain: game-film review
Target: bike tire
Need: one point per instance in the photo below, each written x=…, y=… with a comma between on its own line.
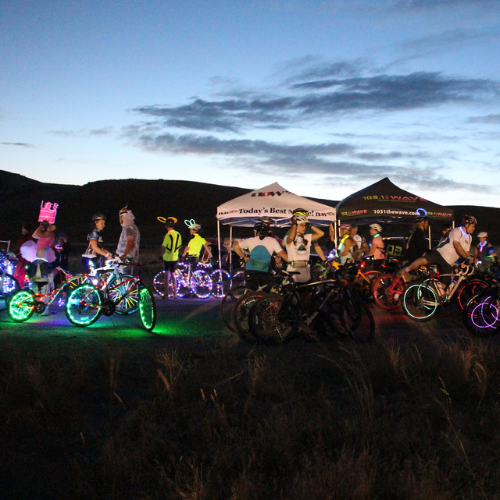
x=481, y=315
x=228, y=302
x=125, y=294
x=83, y=307
x=147, y=309
x=221, y=280
x=21, y=306
x=468, y=290
x=240, y=314
x=420, y=302
x=329, y=323
x=385, y=288
x=365, y=286
x=272, y=321
x=359, y=320
x=202, y=284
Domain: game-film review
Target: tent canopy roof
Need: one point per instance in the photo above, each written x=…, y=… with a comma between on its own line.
x=386, y=202
x=271, y=201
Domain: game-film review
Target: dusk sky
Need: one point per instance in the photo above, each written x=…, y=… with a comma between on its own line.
x=323, y=97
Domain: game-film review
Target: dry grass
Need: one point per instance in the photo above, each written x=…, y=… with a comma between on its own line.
x=208, y=420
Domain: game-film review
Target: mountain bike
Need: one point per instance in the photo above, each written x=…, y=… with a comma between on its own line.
x=111, y=292
x=320, y=310
x=24, y=303
x=422, y=300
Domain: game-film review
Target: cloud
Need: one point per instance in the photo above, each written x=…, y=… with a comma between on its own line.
x=488, y=119
x=320, y=99
x=83, y=132
x=435, y=4
x=20, y=144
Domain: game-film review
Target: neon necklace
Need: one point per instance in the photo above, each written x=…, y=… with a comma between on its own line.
x=483, y=244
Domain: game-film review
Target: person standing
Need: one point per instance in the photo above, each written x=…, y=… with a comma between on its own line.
x=377, y=246
x=480, y=251
x=20, y=269
x=417, y=245
x=130, y=238
x=170, y=250
x=298, y=242
x=347, y=245
x=196, y=243
x=92, y=258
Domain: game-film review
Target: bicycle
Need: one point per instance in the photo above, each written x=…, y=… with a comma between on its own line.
x=111, y=292
x=321, y=310
x=192, y=280
x=422, y=300
x=24, y=303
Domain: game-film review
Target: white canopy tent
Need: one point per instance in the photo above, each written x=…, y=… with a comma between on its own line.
x=272, y=201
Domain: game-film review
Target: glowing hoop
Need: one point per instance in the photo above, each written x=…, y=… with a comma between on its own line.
x=163, y=219
x=422, y=212
x=190, y=223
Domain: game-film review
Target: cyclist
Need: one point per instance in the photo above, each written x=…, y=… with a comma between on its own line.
x=128, y=244
x=455, y=246
x=298, y=241
x=196, y=243
x=377, y=247
x=92, y=257
x=481, y=247
x=347, y=250
x=170, y=249
x=417, y=245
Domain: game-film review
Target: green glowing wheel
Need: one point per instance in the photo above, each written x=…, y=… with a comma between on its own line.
x=125, y=294
x=147, y=309
x=83, y=306
x=21, y=306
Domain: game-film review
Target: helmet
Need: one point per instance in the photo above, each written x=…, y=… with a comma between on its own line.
x=301, y=219
x=491, y=251
x=195, y=227
x=300, y=211
x=468, y=219
x=377, y=227
x=267, y=220
x=124, y=210
x=262, y=226
x=96, y=217
x=421, y=218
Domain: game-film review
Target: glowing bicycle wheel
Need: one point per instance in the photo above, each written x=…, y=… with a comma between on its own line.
x=125, y=295
x=83, y=306
x=147, y=309
x=21, y=306
x=202, y=284
x=8, y=286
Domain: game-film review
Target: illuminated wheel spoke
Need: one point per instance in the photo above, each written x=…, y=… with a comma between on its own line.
x=21, y=306
x=83, y=306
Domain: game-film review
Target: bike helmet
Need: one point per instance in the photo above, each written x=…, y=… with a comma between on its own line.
x=262, y=226
x=421, y=218
x=124, y=210
x=468, y=219
x=301, y=219
x=377, y=227
x=195, y=227
x=267, y=220
x=300, y=211
x=97, y=217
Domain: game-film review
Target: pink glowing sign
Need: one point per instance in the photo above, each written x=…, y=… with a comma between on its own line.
x=48, y=212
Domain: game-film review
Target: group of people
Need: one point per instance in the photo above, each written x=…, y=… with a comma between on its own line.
x=300, y=240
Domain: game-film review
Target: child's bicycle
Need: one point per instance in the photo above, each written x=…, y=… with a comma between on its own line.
x=110, y=292
x=24, y=303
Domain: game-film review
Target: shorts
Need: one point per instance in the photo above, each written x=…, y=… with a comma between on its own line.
x=170, y=265
x=436, y=258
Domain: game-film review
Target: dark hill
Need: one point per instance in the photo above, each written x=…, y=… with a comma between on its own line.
x=20, y=199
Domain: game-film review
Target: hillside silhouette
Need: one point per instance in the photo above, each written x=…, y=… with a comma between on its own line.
x=20, y=199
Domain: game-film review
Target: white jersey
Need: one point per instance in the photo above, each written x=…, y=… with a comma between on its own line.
x=299, y=252
x=447, y=249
